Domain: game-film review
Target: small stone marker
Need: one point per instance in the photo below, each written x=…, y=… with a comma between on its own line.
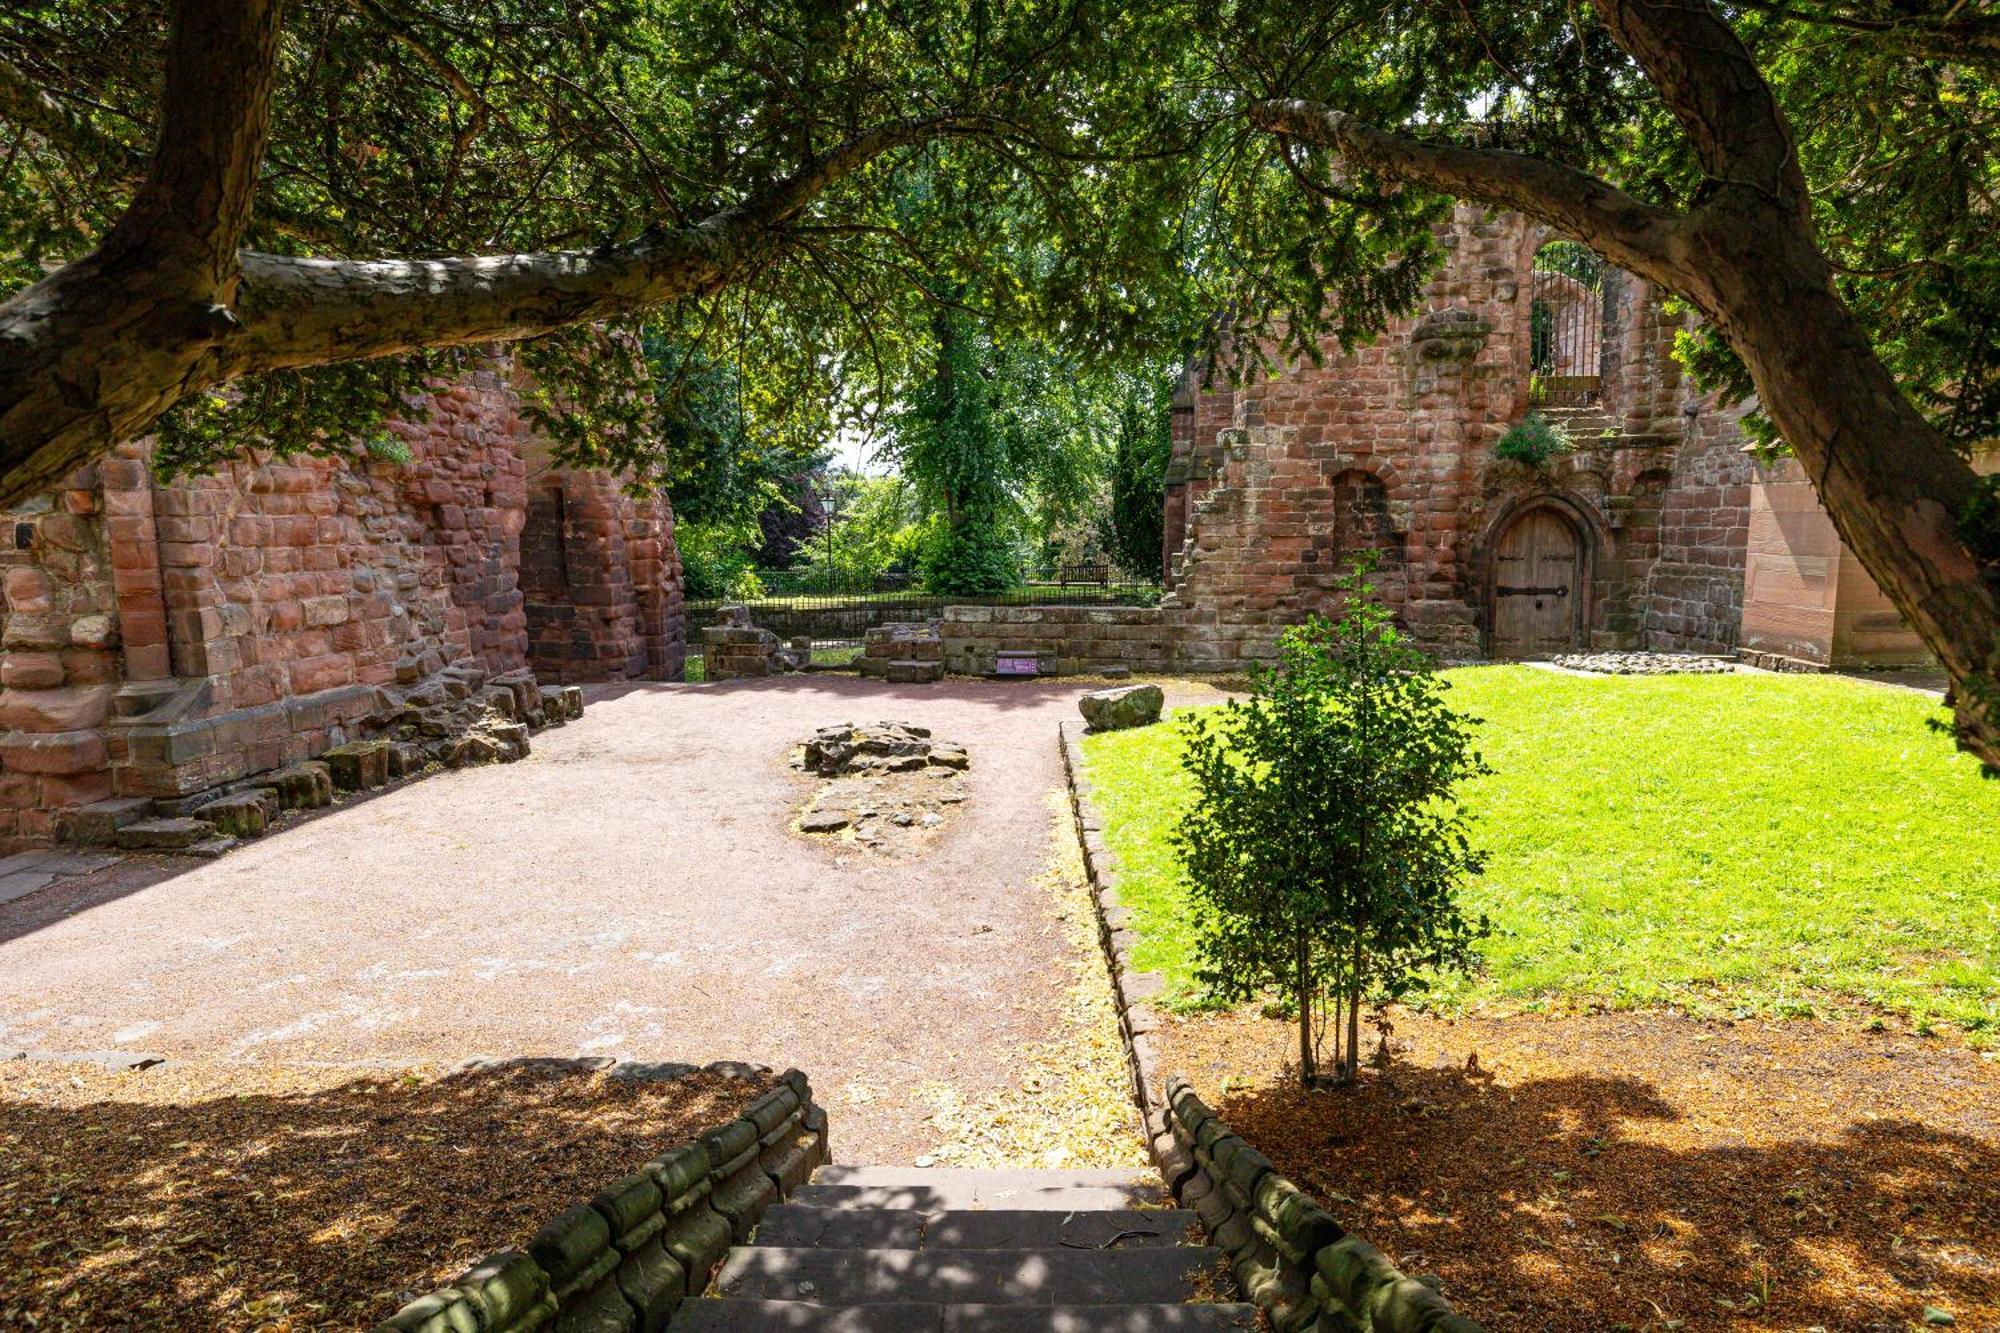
x=1121, y=706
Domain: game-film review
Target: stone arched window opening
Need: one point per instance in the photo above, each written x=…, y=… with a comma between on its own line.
x=1566, y=343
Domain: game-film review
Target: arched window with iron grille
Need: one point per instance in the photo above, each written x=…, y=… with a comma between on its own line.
x=1566, y=327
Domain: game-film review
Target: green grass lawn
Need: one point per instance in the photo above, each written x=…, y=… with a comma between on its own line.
x=1772, y=844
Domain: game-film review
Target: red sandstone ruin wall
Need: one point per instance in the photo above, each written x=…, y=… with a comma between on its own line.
x=59, y=660
x=283, y=578
x=239, y=621
x=1380, y=447
x=1390, y=447
x=1693, y=594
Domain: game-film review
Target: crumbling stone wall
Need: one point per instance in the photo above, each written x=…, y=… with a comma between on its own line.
x=163, y=638
x=1390, y=448
x=1070, y=640
x=630, y=1257
x=601, y=580
x=59, y=660
x=1693, y=595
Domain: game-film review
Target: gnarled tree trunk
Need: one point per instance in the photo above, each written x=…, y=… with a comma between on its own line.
x=1748, y=261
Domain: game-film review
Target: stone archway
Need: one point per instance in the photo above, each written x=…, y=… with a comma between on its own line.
x=1539, y=589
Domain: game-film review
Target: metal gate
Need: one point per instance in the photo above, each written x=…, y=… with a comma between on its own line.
x=1566, y=323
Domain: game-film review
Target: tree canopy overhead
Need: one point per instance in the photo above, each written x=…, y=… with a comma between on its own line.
x=356, y=184
x=242, y=219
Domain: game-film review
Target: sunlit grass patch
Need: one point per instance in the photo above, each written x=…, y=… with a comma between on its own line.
x=1772, y=843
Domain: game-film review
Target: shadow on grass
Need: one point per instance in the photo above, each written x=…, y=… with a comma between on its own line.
x=1591, y=1203
x=323, y=1204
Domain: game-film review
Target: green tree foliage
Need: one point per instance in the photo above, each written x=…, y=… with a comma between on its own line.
x=611, y=132
x=1325, y=848
x=877, y=530
x=953, y=442
x=1143, y=446
x=1008, y=444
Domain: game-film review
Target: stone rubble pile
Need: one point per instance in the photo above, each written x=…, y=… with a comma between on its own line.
x=888, y=747
x=1646, y=664
x=889, y=780
x=456, y=718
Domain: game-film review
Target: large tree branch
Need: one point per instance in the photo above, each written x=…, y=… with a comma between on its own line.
x=189, y=214
x=94, y=353
x=1946, y=36
x=1637, y=235
x=118, y=335
x=1707, y=78
x=304, y=312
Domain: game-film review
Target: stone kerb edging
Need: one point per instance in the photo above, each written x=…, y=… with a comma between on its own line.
x=1288, y=1253
x=625, y=1261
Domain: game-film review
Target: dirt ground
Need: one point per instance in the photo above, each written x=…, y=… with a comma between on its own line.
x=284, y=1198
x=632, y=889
x=1645, y=1171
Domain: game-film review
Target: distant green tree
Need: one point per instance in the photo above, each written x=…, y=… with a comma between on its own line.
x=1139, y=473
x=953, y=443
x=1325, y=846
x=876, y=529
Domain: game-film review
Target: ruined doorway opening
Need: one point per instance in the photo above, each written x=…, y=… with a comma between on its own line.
x=545, y=593
x=1566, y=327
x=1540, y=586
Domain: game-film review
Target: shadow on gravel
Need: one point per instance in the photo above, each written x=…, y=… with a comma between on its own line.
x=267, y=1198
x=1589, y=1203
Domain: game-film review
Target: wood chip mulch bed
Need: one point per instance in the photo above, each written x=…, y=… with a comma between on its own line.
x=273, y=1198
x=1644, y=1171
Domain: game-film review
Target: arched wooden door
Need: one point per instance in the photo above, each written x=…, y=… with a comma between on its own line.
x=1538, y=587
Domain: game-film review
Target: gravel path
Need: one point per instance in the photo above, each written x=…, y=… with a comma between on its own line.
x=631, y=890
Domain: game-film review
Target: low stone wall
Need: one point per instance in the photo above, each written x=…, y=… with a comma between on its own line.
x=1071, y=640
x=629, y=1258
x=1288, y=1253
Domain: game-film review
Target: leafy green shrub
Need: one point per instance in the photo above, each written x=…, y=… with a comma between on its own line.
x=718, y=560
x=1324, y=849
x=1533, y=440
x=876, y=530
x=971, y=558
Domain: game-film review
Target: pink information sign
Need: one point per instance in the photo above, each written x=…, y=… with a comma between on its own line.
x=1016, y=664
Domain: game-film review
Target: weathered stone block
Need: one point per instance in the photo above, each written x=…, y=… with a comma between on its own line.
x=97, y=824
x=1122, y=706
x=697, y=1237
x=574, y=1249
x=61, y=752
x=358, y=765
x=915, y=672
x=653, y=1284
x=475, y=748
x=510, y=1290
x=164, y=835
x=305, y=786
x=242, y=815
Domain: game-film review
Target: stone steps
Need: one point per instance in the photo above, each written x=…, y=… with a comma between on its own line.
x=814, y=1226
x=742, y=1316
x=887, y=1250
